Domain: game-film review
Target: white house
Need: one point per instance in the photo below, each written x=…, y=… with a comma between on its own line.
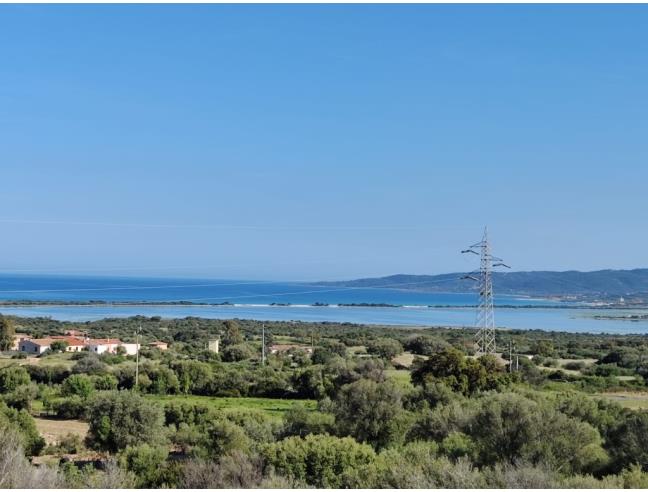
x=110, y=345
x=19, y=337
x=39, y=345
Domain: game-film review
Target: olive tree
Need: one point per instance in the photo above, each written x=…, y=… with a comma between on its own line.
x=121, y=418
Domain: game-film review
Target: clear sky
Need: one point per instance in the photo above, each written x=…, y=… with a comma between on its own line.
x=321, y=142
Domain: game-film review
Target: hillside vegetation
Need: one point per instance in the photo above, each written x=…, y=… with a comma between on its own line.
x=370, y=407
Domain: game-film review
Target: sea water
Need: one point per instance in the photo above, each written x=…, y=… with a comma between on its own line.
x=290, y=301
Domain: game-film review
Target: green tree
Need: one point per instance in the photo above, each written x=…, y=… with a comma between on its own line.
x=11, y=377
x=318, y=460
x=544, y=348
x=238, y=352
x=509, y=427
x=7, y=333
x=627, y=440
x=232, y=335
x=426, y=345
x=78, y=385
x=147, y=463
x=385, y=348
x=22, y=422
x=452, y=368
x=222, y=437
x=299, y=421
x=370, y=412
x=58, y=346
x=120, y=419
x=193, y=376
x=105, y=382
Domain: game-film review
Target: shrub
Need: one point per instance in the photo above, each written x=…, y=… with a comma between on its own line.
x=385, y=348
x=11, y=377
x=222, y=437
x=238, y=352
x=120, y=419
x=318, y=460
x=575, y=365
x=299, y=421
x=370, y=412
x=78, y=385
x=23, y=424
x=73, y=407
x=147, y=463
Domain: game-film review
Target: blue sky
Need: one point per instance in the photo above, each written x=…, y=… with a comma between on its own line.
x=321, y=142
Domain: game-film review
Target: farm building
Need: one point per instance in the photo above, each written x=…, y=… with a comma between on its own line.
x=40, y=345
x=110, y=345
x=19, y=337
x=159, y=345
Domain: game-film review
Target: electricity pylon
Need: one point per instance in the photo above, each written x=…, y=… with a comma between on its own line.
x=485, y=323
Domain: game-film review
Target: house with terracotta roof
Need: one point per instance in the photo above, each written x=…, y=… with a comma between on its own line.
x=40, y=345
x=19, y=337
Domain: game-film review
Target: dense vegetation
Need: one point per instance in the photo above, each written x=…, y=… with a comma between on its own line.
x=371, y=407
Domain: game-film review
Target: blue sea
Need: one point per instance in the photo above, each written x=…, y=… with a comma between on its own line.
x=290, y=301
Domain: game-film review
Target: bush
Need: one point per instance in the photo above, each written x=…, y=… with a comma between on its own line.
x=318, y=460
x=11, y=377
x=120, y=419
x=238, y=352
x=22, y=397
x=575, y=366
x=385, y=348
x=460, y=373
x=222, y=437
x=90, y=364
x=106, y=382
x=47, y=374
x=21, y=422
x=426, y=345
x=78, y=385
x=73, y=407
x=299, y=421
x=370, y=412
x=147, y=463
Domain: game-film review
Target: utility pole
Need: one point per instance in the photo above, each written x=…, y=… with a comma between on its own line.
x=485, y=323
x=263, y=347
x=511, y=355
x=137, y=346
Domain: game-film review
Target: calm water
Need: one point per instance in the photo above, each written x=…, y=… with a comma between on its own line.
x=253, y=300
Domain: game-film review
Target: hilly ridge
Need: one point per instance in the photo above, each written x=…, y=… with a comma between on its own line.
x=600, y=283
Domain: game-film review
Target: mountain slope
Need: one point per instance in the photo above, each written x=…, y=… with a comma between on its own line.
x=535, y=283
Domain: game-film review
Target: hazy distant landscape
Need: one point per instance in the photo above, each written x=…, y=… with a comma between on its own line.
x=596, y=284
x=340, y=246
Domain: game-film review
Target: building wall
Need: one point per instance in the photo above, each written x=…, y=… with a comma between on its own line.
x=213, y=345
x=131, y=348
x=101, y=348
x=30, y=347
x=74, y=348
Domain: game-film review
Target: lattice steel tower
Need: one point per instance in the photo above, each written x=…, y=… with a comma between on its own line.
x=485, y=312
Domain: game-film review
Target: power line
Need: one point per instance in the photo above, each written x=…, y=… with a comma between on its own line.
x=485, y=322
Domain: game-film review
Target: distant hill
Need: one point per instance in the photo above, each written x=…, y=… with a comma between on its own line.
x=601, y=283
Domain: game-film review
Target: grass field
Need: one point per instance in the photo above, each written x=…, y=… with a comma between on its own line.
x=274, y=407
x=628, y=399
x=53, y=430
x=62, y=359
